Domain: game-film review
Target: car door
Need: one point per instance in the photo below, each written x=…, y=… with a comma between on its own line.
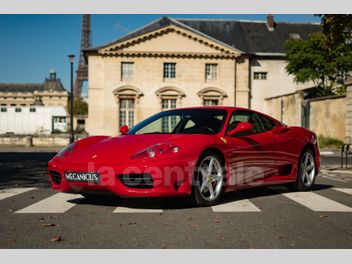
x=249, y=154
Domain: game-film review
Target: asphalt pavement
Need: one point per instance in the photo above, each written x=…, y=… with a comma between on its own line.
x=34, y=216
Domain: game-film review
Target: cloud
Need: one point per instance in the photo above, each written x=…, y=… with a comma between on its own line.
x=121, y=27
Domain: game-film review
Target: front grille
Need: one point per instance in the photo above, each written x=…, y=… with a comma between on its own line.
x=137, y=180
x=55, y=177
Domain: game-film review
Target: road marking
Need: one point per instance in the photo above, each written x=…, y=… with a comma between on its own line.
x=57, y=203
x=242, y=205
x=345, y=190
x=332, y=178
x=317, y=202
x=6, y=193
x=125, y=207
x=326, y=153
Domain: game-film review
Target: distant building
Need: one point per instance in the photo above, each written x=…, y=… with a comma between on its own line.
x=51, y=92
x=28, y=120
x=173, y=63
x=33, y=108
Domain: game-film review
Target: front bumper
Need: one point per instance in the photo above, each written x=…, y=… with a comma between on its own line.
x=169, y=177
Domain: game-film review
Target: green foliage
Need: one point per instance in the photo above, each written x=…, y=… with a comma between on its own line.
x=324, y=59
x=79, y=106
x=337, y=28
x=312, y=60
x=326, y=142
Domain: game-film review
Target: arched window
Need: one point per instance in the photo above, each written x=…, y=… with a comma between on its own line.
x=127, y=98
x=170, y=97
x=212, y=96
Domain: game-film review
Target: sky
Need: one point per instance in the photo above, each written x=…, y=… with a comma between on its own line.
x=32, y=45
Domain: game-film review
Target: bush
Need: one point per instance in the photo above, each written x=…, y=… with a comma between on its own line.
x=325, y=142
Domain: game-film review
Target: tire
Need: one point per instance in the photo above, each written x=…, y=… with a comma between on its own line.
x=306, y=172
x=207, y=185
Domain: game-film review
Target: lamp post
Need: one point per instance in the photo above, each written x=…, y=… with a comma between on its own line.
x=72, y=136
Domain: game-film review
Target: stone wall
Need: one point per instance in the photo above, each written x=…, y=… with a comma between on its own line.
x=43, y=141
x=286, y=108
x=327, y=117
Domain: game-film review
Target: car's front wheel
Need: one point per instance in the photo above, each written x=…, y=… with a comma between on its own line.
x=208, y=179
x=306, y=172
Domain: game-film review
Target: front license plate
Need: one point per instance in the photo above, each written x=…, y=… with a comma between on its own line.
x=90, y=177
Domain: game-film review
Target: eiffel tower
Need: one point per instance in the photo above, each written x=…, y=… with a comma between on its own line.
x=86, y=42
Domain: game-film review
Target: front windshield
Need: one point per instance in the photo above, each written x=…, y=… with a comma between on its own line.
x=185, y=121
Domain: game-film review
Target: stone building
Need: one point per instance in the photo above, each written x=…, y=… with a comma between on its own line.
x=33, y=108
x=49, y=93
x=173, y=63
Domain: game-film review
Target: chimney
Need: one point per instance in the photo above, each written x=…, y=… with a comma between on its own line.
x=270, y=22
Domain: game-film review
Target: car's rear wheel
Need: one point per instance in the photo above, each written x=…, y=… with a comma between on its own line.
x=208, y=180
x=306, y=172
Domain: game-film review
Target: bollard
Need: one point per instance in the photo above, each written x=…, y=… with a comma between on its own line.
x=28, y=141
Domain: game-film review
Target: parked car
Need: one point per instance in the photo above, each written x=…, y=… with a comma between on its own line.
x=200, y=152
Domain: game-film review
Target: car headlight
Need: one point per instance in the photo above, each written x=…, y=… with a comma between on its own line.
x=67, y=150
x=156, y=151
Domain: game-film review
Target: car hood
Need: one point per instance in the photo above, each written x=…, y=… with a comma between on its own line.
x=114, y=150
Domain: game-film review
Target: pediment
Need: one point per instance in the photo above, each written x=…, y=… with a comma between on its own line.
x=170, y=40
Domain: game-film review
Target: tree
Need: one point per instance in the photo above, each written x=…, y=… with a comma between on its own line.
x=337, y=28
x=325, y=59
x=80, y=107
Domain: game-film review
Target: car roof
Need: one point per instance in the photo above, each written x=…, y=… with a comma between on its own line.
x=227, y=108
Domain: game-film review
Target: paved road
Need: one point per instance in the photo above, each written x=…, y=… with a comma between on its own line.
x=32, y=215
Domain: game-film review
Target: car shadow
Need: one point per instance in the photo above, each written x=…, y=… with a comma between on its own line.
x=179, y=203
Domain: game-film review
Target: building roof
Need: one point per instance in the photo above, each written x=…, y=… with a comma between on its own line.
x=50, y=84
x=251, y=37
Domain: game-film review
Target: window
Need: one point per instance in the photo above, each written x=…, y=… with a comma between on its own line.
x=267, y=123
x=32, y=109
x=168, y=104
x=169, y=70
x=126, y=112
x=168, y=122
x=211, y=71
x=187, y=121
x=210, y=102
x=3, y=109
x=126, y=71
x=59, y=119
x=246, y=116
x=260, y=75
x=18, y=110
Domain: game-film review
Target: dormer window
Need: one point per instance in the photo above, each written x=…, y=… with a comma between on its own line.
x=294, y=36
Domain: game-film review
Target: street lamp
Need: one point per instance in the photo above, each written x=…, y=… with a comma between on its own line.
x=72, y=136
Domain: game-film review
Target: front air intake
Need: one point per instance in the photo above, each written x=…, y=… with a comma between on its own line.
x=137, y=180
x=55, y=177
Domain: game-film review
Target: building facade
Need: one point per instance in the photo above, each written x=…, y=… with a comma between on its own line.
x=49, y=93
x=33, y=108
x=180, y=63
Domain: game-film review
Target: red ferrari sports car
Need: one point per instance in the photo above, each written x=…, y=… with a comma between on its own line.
x=200, y=152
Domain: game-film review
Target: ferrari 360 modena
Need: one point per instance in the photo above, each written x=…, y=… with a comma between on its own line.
x=199, y=152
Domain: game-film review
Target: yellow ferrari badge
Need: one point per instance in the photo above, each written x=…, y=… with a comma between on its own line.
x=224, y=140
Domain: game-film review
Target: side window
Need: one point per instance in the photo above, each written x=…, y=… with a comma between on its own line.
x=238, y=116
x=267, y=123
x=246, y=116
x=257, y=124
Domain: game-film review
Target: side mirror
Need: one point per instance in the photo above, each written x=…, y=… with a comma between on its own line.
x=124, y=130
x=241, y=128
